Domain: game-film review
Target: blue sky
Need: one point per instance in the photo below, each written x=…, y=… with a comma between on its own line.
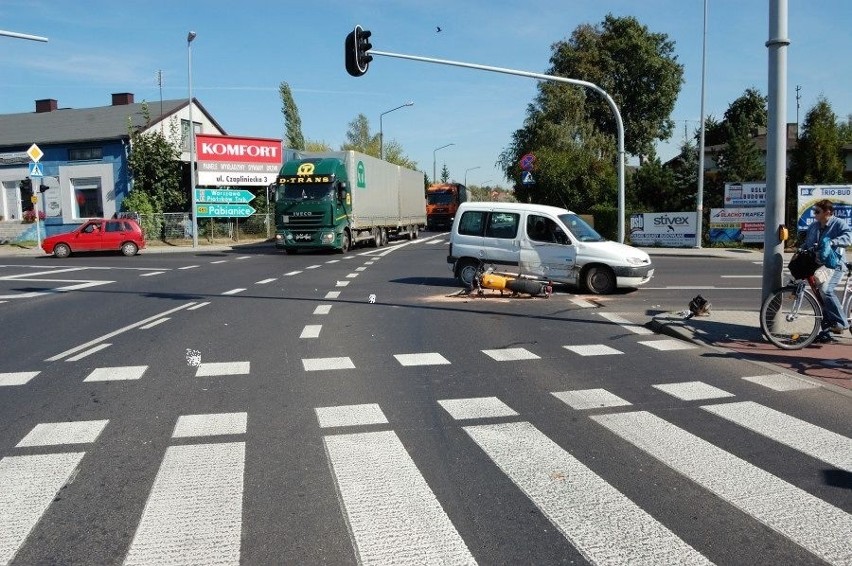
x=245, y=49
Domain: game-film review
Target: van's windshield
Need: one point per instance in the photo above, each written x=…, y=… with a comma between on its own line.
x=581, y=230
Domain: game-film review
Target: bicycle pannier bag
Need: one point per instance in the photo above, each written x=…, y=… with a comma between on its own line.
x=803, y=264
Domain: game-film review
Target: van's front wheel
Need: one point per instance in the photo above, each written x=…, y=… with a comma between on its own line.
x=600, y=280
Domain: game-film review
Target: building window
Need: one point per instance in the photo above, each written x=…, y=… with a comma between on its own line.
x=85, y=153
x=184, y=133
x=88, y=197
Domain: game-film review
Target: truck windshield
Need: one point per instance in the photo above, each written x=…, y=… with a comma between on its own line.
x=445, y=197
x=581, y=230
x=290, y=191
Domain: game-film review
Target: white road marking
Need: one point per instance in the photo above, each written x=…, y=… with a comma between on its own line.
x=198, y=306
x=29, y=485
x=667, y=345
x=333, y=261
x=692, y=390
x=189, y=267
x=265, y=281
x=584, y=399
x=223, y=368
x=117, y=332
x=362, y=268
x=56, y=434
x=124, y=373
x=623, y=322
x=88, y=352
x=477, y=408
x=234, y=291
x=220, y=261
x=154, y=323
x=781, y=382
x=149, y=274
x=815, y=441
x=602, y=523
x=244, y=257
x=332, y=295
x=288, y=274
x=17, y=378
x=349, y=257
x=593, y=350
x=352, y=276
x=341, y=283
x=350, y=415
x=194, y=512
x=510, y=354
x=319, y=364
x=806, y=520
x=322, y=309
x=582, y=303
x=313, y=267
x=424, y=359
x=212, y=424
x=311, y=331
x=397, y=520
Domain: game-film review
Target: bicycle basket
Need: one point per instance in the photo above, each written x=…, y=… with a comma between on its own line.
x=803, y=264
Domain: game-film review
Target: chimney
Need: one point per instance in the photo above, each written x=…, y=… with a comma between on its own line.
x=122, y=98
x=46, y=105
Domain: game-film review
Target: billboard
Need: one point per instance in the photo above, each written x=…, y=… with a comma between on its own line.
x=228, y=161
x=745, y=225
x=745, y=194
x=665, y=229
x=840, y=195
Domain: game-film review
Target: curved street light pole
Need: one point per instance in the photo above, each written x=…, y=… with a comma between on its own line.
x=381, y=131
x=434, y=151
x=465, y=173
x=193, y=212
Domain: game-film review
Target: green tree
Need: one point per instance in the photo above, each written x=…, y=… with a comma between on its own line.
x=685, y=174
x=445, y=174
x=293, y=137
x=636, y=67
x=747, y=114
x=651, y=187
x=359, y=138
x=740, y=159
x=138, y=202
x=818, y=157
x=317, y=146
x=154, y=164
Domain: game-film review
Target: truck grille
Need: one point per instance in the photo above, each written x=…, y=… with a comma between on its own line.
x=301, y=222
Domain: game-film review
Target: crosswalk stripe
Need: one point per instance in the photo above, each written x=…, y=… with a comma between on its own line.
x=692, y=390
x=213, y=424
x=17, y=378
x=593, y=350
x=510, y=354
x=602, y=523
x=223, y=368
x=397, y=520
x=350, y=415
x=311, y=331
x=28, y=485
x=194, y=512
x=667, y=345
x=817, y=442
x=319, y=364
x=322, y=309
x=806, y=520
x=584, y=399
x=781, y=382
x=332, y=295
x=628, y=325
x=477, y=408
x=54, y=434
x=341, y=284
x=424, y=359
x=116, y=373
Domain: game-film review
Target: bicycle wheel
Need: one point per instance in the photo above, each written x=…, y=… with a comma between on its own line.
x=788, y=326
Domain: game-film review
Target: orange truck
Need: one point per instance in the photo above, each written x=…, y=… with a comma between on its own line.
x=442, y=202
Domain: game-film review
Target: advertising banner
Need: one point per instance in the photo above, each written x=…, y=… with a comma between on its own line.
x=745, y=194
x=665, y=229
x=840, y=195
x=744, y=225
x=228, y=161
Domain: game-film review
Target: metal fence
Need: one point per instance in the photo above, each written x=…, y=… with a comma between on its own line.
x=175, y=228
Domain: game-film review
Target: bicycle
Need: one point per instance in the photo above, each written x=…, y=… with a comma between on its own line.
x=791, y=316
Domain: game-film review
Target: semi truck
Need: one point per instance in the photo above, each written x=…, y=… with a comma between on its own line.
x=337, y=200
x=442, y=202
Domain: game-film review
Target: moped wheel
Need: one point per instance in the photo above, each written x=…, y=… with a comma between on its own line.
x=786, y=325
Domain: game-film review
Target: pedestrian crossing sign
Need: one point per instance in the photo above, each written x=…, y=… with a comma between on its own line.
x=36, y=170
x=527, y=178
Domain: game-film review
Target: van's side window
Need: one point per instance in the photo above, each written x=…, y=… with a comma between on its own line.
x=502, y=225
x=543, y=229
x=472, y=223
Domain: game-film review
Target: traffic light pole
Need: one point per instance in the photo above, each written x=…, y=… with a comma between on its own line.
x=596, y=88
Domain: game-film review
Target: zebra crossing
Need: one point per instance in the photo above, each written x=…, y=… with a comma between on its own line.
x=194, y=512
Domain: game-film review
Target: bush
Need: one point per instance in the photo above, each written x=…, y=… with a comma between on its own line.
x=30, y=216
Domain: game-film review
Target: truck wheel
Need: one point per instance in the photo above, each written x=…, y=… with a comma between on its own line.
x=599, y=280
x=466, y=272
x=415, y=232
x=383, y=238
x=377, y=238
x=347, y=242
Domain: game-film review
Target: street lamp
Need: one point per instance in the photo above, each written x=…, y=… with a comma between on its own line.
x=193, y=212
x=381, y=133
x=465, y=173
x=434, y=151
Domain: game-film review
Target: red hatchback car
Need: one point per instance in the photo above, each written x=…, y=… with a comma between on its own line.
x=96, y=235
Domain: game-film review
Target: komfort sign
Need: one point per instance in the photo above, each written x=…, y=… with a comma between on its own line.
x=229, y=161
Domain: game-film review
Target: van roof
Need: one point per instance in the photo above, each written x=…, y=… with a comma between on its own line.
x=513, y=207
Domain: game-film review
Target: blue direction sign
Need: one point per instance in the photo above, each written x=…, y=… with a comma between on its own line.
x=223, y=210
x=223, y=195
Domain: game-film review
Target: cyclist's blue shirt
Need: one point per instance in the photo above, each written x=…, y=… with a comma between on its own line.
x=836, y=230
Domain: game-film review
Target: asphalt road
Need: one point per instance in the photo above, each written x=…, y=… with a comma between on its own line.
x=251, y=407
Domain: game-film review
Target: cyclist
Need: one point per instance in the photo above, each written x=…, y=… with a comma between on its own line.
x=828, y=231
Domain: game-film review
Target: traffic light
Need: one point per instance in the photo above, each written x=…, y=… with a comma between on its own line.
x=356, y=46
x=43, y=188
x=26, y=185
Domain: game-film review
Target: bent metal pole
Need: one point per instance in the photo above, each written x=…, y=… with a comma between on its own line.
x=619, y=123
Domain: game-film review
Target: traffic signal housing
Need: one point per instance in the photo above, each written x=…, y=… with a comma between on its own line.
x=356, y=46
x=43, y=188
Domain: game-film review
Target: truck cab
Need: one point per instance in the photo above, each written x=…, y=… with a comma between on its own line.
x=442, y=203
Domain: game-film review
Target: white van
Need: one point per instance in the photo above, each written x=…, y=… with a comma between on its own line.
x=544, y=242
